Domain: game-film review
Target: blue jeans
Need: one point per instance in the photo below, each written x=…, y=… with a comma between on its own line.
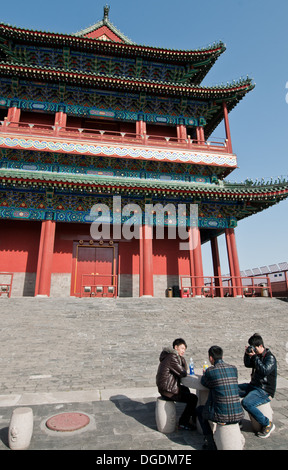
x=254, y=397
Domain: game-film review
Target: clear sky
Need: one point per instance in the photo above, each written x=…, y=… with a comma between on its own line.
x=255, y=34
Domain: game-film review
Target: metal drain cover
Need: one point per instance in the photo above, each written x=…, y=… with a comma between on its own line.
x=67, y=422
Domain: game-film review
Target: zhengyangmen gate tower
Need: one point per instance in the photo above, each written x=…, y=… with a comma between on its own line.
x=91, y=118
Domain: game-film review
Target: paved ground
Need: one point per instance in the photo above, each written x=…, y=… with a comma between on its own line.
x=100, y=356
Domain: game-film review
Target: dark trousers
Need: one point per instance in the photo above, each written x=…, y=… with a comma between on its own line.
x=204, y=423
x=185, y=396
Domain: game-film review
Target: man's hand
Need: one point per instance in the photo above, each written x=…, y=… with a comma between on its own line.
x=252, y=353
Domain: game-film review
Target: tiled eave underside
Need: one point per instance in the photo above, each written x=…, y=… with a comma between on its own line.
x=267, y=194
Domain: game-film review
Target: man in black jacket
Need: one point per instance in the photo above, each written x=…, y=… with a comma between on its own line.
x=263, y=382
x=171, y=369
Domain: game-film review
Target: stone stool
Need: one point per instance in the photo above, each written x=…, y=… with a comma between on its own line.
x=267, y=411
x=228, y=436
x=20, y=428
x=165, y=415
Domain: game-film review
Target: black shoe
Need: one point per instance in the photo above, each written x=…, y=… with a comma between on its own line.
x=209, y=443
x=187, y=427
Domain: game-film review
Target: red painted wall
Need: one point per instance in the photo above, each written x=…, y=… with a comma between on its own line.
x=19, y=243
x=167, y=258
x=128, y=257
x=63, y=248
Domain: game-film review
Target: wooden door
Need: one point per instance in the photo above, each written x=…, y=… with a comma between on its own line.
x=94, y=271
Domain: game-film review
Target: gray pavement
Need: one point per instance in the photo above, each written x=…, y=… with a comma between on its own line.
x=100, y=356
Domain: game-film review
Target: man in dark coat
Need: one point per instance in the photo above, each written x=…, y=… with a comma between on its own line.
x=171, y=369
x=263, y=382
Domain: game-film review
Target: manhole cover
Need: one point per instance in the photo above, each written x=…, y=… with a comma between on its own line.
x=66, y=422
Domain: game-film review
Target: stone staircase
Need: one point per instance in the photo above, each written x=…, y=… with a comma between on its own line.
x=84, y=344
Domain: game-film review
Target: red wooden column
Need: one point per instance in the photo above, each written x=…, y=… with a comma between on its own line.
x=146, y=261
x=140, y=260
x=13, y=116
x=233, y=261
x=202, y=136
x=60, y=120
x=141, y=129
x=191, y=261
x=227, y=127
x=230, y=259
x=45, y=258
x=196, y=255
x=181, y=132
x=217, y=267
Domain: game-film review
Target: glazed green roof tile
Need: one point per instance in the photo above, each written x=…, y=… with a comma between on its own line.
x=210, y=190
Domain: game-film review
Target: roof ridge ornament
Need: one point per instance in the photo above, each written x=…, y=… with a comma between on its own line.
x=106, y=13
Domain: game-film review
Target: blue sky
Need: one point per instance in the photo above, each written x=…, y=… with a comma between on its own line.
x=255, y=34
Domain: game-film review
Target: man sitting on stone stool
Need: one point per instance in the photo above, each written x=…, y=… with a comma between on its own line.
x=263, y=382
x=223, y=404
x=171, y=369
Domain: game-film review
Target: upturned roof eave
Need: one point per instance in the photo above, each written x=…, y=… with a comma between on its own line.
x=208, y=190
x=166, y=88
x=42, y=37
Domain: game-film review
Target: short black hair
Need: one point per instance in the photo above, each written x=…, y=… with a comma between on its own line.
x=256, y=340
x=216, y=352
x=179, y=341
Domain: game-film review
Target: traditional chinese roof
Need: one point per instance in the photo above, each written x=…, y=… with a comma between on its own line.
x=197, y=62
x=240, y=87
x=122, y=67
x=231, y=93
x=257, y=196
x=218, y=203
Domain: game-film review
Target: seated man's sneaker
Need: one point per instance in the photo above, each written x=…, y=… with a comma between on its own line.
x=266, y=430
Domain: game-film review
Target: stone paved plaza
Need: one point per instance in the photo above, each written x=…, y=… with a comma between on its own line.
x=100, y=357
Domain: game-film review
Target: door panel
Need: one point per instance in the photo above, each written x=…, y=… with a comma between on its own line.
x=86, y=261
x=104, y=265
